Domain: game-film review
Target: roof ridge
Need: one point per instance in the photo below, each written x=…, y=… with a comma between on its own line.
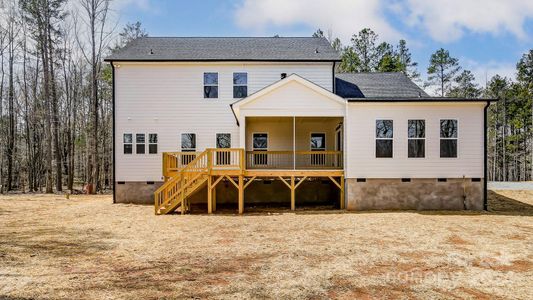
x=236, y=37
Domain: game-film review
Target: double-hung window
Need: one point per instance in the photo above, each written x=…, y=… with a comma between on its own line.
x=210, y=85
x=152, y=143
x=448, y=138
x=240, y=85
x=416, y=138
x=384, y=138
x=140, y=143
x=128, y=143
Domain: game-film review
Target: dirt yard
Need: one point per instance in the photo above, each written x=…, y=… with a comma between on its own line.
x=88, y=248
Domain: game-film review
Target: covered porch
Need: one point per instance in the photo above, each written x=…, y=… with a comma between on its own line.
x=293, y=143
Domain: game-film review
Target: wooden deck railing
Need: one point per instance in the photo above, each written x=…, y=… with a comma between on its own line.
x=186, y=172
x=175, y=188
x=173, y=162
x=298, y=160
x=236, y=158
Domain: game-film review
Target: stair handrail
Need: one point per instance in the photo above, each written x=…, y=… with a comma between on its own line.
x=179, y=181
x=201, y=164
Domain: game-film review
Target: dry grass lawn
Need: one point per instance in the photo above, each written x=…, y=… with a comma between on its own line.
x=88, y=248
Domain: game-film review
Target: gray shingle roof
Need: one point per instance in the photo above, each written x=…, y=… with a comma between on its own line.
x=376, y=85
x=227, y=48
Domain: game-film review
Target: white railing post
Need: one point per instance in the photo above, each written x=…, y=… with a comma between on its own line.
x=293, y=142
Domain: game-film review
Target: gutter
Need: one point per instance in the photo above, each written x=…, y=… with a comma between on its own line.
x=422, y=99
x=217, y=60
x=114, y=135
x=235, y=115
x=485, y=158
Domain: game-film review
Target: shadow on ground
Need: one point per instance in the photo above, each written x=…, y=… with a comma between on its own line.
x=498, y=204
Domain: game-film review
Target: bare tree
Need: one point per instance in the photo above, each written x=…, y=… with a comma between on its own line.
x=95, y=18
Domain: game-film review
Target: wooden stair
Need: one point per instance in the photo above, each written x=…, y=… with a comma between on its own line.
x=175, y=192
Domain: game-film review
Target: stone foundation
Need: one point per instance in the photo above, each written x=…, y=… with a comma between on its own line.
x=319, y=191
x=137, y=192
x=418, y=194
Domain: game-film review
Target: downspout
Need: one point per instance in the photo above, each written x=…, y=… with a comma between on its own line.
x=333, y=87
x=114, y=134
x=485, y=158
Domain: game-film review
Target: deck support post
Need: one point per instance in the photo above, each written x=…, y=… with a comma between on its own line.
x=209, y=194
x=214, y=196
x=342, y=192
x=241, y=194
x=293, y=194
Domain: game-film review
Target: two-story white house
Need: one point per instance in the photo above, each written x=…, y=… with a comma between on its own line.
x=244, y=121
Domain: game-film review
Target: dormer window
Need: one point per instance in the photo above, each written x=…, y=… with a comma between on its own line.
x=210, y=85
x=240, y=85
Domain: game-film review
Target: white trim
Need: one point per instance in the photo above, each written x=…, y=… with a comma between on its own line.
x=376, y=138
x=124, y=143
x=156, y=143
x=137, y=143
x=417, y=138
x=337, y=138
x=455, y=138
x=233, y=85
x=204, y=85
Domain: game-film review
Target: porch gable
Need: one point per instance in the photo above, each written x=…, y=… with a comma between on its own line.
x=292, y=96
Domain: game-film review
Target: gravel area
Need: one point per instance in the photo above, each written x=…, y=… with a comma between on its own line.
x=508, y=185
x=89, y=248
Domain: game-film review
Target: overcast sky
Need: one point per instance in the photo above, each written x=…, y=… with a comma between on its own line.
x=488, y=36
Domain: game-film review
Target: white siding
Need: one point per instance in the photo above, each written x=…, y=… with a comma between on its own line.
x=360, y=136
x=167, y=99
x=293, y=99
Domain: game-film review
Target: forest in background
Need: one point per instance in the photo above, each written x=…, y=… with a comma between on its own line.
x=56, y=94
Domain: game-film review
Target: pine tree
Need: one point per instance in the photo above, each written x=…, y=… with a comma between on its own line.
x=442, y=70
x=465, y=86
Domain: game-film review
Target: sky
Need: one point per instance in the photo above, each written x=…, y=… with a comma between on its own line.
x=487, y=36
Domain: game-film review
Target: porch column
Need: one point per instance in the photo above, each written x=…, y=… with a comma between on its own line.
x=242, y=132
x=294, y=142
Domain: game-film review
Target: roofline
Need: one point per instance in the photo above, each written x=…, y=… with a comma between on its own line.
x=420, y=99
x=111, y=60
x=232, y=37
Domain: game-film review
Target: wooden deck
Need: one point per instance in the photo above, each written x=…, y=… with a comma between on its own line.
x=186, y=172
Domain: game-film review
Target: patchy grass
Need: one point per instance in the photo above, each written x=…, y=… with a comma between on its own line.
x=87, y=248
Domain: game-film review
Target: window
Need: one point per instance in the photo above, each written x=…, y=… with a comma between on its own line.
x=240, y=85
x=210, y=85
x=318, y=143
x=128, y=143
x=260, y=143
x=384, y=135
x=448, y=138
x=188, y=142
x=416, y=134
x=152, y=143
x=223, y=141
x=140, y=143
